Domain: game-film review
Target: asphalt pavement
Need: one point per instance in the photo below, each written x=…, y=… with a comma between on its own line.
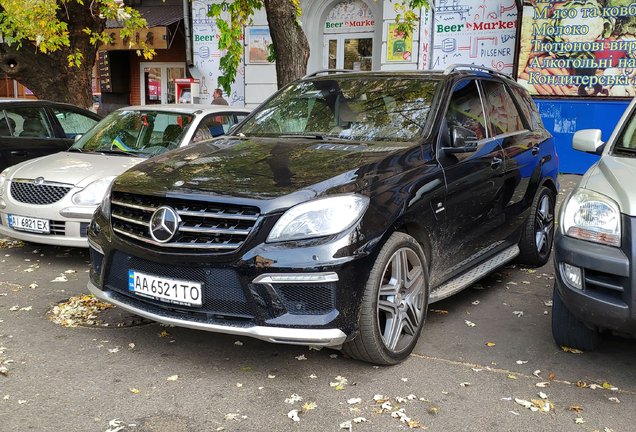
x=486, y=360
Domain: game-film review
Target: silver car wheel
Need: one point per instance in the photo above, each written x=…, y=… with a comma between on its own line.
x=401, y=299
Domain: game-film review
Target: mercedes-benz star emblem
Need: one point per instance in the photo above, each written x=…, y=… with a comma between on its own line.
x=164, y=224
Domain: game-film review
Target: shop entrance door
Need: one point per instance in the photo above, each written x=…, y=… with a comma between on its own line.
x=352, y=51
x=157, y=82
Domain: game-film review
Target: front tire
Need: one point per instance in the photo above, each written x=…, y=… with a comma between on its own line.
x=538, y=231
x=394, y=303
x=568, y=331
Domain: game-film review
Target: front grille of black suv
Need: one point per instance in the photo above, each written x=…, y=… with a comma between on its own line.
x=25, y=191
x=210, y=226
x=222, y=290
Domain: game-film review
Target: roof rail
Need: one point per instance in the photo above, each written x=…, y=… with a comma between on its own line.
x=455, y=67
x=325, y=71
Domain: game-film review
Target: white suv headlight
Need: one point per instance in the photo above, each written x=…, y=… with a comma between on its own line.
x=318, y=218
x=93, y=193
x=592, y=216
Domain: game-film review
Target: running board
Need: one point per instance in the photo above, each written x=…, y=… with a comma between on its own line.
x=464, y=280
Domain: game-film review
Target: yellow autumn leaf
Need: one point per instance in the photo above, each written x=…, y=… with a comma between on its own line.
x=490, y=344
x=310, y=406
x=512, y=377
x=134, y=390
x=571, y=350
x=607, y=385
x=164, y=334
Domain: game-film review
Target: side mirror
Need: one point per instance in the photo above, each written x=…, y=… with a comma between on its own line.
x=463, y=140
x=588, y=141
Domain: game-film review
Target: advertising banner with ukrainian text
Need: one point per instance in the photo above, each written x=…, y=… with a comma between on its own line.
x=578, y=48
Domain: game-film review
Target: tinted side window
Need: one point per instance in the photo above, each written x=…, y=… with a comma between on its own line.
x=529, y=108
x=29, y=122
x=73, y=123
x=466, y=110
x=503, y=116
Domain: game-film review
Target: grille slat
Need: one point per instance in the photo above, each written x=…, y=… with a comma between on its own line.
x=204, y=225
x=25, y=191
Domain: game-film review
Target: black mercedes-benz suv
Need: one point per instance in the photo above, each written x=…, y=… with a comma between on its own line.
x=336, y=212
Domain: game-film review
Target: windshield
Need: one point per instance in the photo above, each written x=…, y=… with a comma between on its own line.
x=351, y=108
x=136, y=132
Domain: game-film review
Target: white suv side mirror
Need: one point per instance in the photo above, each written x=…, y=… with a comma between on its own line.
x=588, y=141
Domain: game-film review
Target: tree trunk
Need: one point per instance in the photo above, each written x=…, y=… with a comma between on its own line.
x=290, y=42
x=49, y=75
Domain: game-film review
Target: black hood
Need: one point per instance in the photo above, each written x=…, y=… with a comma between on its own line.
x=266, y=168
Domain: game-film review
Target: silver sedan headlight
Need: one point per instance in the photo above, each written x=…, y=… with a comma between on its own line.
x=93, y=193
x=592, y=216
x=3, y=181
x=320, y=217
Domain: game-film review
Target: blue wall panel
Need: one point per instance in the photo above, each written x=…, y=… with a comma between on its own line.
x=563, y=117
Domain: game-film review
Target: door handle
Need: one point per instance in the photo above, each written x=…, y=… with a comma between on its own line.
x=496, y=162
x=20, y=153
x=535, y=150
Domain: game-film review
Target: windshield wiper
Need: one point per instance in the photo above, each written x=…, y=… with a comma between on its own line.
x=116, y=152
x=316, y=137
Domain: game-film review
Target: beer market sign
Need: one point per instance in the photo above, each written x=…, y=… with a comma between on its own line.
x=350, y=17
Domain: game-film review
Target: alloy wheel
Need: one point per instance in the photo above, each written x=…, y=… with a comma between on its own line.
x=401, y=299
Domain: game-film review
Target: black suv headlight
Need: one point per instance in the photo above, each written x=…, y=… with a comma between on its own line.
x=320, y=217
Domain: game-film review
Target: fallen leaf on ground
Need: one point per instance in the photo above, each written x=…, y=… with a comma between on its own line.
x=523, y=402
x=522, y=362
x=536, y=373
x=490, y=344
x=476, y=302
x=293, y=414
x=551, y=376
x=164, y=334
x=439, y=311
x=469, y=323
x=333, y=356
x=512, y=377
x=543, y=384
x=572, y=350
x=579, y=420
x=613, y=399
x=578, y=409
x=293, y=399
x=301, y=357
x=173, y=378
x=543, y=395
x=60, y=279
x=518, y=313
x=238, y=343
x=133, y=390
x=359, y=420
x=354, y=401
x=310, y=406
x=595, y=386
x=464, y=384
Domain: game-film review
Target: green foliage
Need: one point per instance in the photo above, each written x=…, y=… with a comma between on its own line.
x=39, y=24
x=241, y=11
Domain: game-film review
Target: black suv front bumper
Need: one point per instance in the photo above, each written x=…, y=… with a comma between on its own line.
x=607, y=299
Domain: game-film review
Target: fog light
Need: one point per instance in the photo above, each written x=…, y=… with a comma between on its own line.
x=572, y=275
